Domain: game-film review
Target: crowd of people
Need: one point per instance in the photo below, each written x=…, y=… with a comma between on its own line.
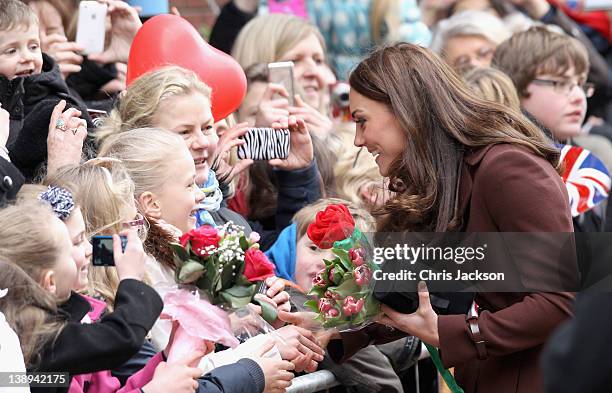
x=419, y=116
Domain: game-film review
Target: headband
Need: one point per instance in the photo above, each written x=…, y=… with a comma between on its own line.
x=60, y=200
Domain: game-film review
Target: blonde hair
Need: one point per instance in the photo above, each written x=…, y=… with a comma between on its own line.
x=493, y=85
x=266, y=38
x=142, y=100
x=384, y=13
x=306, y=215
x=148, y=154
x=14, y=14
x=107, y=192
x=34, y=220
x=356, y=169
x=30, y=311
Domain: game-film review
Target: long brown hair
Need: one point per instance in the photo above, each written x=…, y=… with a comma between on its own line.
x=442, y=118
x=30, y=311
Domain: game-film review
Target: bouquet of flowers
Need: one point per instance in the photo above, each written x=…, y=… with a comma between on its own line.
x=343, y=289
x=224, y=264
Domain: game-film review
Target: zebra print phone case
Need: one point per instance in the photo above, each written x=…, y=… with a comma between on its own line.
x=264, y=144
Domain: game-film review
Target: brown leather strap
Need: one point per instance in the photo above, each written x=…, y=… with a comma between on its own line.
x=481, y=348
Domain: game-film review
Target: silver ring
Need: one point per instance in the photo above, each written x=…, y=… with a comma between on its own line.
x=60, y=124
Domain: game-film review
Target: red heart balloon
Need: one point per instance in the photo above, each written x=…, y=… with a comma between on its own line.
x=171, y=40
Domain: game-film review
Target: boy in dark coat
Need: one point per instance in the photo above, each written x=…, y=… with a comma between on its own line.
x=31, y=85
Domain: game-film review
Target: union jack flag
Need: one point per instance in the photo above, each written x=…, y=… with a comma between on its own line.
x=586, y=178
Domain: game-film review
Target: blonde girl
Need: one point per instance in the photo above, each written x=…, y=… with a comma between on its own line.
x=47, y=259
x=108, y=210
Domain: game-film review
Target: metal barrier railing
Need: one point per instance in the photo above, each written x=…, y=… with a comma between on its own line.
x=324, y=379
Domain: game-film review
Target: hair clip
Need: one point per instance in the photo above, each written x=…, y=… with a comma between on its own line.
x=60, y=200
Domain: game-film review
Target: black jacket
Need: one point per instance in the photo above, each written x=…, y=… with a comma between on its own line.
x=104, y=345
x=30, y=102
x=11, y=181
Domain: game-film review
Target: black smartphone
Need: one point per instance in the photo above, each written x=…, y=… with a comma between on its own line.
x=264, y=144
x=103, y=250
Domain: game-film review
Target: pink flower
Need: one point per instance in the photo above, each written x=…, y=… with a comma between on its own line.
x=362, y=274
x=332, y=313
x=325, y=305
x=350, y=306
x=331, y=274
x=332, y=295
x=357, y=255
x=318, y=280
x=254, y=237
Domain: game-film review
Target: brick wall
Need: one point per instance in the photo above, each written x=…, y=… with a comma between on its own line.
x=198, y=12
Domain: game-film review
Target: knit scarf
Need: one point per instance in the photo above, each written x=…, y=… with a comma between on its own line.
x=211, y=202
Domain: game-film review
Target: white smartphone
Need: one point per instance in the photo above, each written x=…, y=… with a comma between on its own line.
x=91, y=27
x=282, y=74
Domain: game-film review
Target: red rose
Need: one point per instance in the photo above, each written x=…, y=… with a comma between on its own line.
x=201, y=238
x=257, y=267
x=333, y=224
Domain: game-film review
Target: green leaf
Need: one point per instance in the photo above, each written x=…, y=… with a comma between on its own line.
x=244, y=244
x=227, y=279
x=347, y=288
x=317, y=291
x=268, y=312
x=237, y=296
x=190, y=272
x=312, y=304
x=179, y=251
x=344, y=259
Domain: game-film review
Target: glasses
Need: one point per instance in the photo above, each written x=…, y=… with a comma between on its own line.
x=567, y=86
x=137, y=223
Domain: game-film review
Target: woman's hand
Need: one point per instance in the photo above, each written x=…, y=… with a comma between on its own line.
x=423, y=323
x=65, y=137
x=272, y=109
x=317, y=122
x=124, y=26
x=64, y=52
x=227, y=141
x=301, y=152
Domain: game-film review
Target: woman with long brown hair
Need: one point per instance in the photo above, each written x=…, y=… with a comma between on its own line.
x=456, y=162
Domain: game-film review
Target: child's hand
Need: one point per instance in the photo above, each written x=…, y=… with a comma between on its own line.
x=131, y=263
x=5, y=122
x=300, y=347
x=179, y=377
x=301, y=152
x=277, y=373
x=65, y=137
x=227, y=141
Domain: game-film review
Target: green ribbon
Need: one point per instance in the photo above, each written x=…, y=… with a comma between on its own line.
x=446, y=375
x=350, y=241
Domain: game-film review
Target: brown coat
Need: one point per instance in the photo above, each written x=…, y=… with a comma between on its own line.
x=503, y=188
